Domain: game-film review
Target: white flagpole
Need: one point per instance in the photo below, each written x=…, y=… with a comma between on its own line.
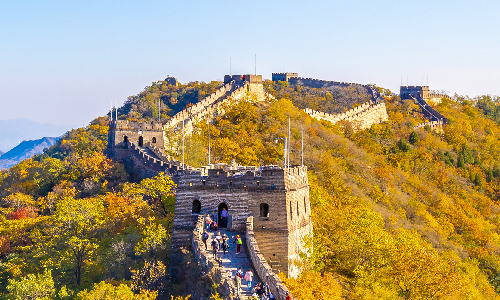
x=183, y=144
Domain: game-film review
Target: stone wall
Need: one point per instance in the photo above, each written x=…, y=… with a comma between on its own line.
x=263, y=269
x=226, y=286
x=361, y=117
x=429, y=112
x=436, y=126
x=278, y=198
x=215, y=105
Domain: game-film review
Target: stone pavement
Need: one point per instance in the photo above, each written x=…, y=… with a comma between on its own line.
x=232, y=261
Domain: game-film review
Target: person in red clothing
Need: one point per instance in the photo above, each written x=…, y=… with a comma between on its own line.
x=288, y=297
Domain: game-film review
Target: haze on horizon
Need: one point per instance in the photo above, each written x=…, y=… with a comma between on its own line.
x=61, y=62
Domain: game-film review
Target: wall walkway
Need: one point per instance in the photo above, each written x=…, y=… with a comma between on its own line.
x=362, y=117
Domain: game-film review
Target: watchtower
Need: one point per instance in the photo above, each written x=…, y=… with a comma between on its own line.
x=277, y=198
x=418, y=92
x=139, y=133
x=284, y=76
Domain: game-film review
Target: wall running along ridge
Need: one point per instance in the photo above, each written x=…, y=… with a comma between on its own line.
x=361, y=117
x=213, y=106
x=436, y=126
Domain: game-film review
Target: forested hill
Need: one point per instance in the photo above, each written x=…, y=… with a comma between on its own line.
x=172, y=98
x=397, y=213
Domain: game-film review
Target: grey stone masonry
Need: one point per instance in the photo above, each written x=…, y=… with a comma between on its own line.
x=436, y=126
x=278, y=199
x=362, y=117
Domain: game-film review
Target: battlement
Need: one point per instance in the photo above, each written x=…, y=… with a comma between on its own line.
x=137, y=126
x=264, y=178
x=243, y=78
x=283, y=76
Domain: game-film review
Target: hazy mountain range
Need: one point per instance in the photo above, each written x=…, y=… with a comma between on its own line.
x=25, y=150
x=13, y=132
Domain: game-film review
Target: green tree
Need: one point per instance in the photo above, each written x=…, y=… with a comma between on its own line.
x=413, y=138
x=32, y=287
x=72, y=238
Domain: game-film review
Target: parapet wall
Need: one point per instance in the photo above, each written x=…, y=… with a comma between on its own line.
x=430, y=112
x=200, y=106
x=260, y=265
x=436, y=126
x=362, y=117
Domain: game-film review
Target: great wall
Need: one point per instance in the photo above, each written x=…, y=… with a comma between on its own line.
x=268, y=205
x=361, y=117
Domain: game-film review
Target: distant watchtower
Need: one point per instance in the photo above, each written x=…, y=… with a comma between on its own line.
x=418, y=92
x=172, y=81
x=284, y=76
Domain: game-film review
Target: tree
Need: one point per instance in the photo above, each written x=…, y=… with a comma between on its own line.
x=413, y=138
x=107, y=291
x=72, y=237
x=312, y=286
x=31, y=286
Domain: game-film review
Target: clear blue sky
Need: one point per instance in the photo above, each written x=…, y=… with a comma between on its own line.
x=62, y=61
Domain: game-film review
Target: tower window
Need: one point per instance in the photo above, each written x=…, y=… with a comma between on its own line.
x=153, y=140
x=264, y=210
x=291, y=211
x=305, y=206
x=196, y=207
x=297, y=208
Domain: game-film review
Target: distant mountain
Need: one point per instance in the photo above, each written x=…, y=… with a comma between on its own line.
x=13, y=132
x=25, y=150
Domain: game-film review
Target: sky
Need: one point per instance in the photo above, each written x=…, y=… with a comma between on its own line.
x=61, y=62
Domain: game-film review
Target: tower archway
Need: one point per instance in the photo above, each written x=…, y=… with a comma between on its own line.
x=219, y=214
x=141, y=141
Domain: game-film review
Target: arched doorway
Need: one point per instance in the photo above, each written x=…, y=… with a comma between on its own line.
x=219, y=214
x=196, y=207
x=125, y=141
x=141, y=141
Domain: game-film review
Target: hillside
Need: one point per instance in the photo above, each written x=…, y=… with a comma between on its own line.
x=397, y=213
x=25, y=150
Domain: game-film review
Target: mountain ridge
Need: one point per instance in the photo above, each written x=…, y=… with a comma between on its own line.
x=24, y=150
x=14, y=131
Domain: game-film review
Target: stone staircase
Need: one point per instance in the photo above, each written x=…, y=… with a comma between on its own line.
x=231, y=261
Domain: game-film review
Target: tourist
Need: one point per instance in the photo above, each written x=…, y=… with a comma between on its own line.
x=215, y=247
x=208, y=221
x=204, y=237
x=288, y=296
x=238, y=242
x=248, y=278
x=237, y=280
x=225, y=245
x=218, y=237
x=259, y=290
x=223, y=214
x=240, y=273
